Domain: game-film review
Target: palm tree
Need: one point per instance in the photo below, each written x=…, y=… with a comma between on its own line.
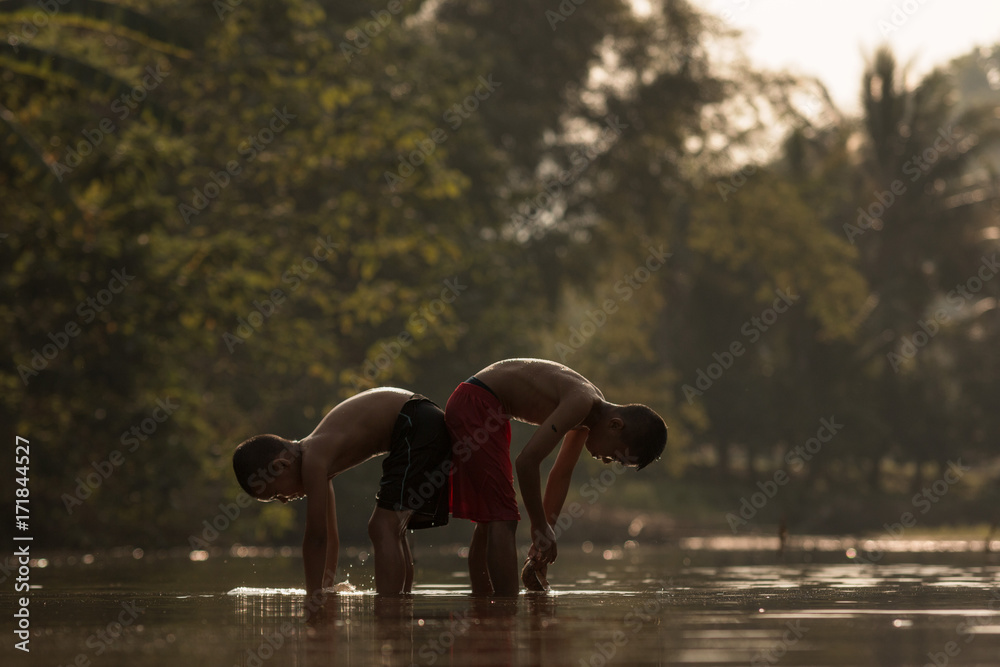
x=925, y=203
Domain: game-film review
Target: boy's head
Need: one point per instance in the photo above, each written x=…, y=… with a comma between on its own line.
x=268, y=467
x=631, y=434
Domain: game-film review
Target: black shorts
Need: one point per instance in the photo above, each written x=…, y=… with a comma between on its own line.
x=416, y=472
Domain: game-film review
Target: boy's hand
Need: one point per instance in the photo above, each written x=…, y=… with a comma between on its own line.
x=543, y=545
x=533, y=576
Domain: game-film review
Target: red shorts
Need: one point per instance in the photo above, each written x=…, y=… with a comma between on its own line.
x=482, y=486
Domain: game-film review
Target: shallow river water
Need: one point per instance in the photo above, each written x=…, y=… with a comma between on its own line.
x=695, y=603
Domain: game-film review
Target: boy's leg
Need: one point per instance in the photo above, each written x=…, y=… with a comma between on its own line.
x=407, y=563
x=502, y=558
x=385, y=528
x=479, y=572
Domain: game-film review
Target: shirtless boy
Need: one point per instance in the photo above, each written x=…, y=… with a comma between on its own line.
x=406, y=425
x=565, y=406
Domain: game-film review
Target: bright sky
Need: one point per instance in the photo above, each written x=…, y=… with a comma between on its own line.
x=830, y=39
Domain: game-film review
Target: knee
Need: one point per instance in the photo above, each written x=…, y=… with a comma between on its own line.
x=384, y=526
x=378, y=528
x=503, y=529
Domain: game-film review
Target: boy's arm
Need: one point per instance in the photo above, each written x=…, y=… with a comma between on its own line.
x=570, y=412
x=556, y=487
x=318, y=492
x=557, y=484
x=332, y=541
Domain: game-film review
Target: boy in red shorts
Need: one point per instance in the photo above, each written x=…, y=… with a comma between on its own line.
x=412, y=493
x=565, y=406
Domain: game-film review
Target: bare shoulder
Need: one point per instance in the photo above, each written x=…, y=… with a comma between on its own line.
x=532, y=389
x=354, y=430
x=541, y=373
x=382, y=398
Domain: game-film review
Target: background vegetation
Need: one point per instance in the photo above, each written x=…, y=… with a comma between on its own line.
x=288, y=189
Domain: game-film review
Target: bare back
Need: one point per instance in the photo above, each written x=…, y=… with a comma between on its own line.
x=531, y=389
x=354, y=431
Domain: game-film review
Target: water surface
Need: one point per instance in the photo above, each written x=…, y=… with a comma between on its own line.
x=696, y=605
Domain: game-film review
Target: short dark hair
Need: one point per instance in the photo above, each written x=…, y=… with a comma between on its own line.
x=252, y=458
x=644, y=434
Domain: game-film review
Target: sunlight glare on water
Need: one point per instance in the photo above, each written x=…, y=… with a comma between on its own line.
x=652, y=606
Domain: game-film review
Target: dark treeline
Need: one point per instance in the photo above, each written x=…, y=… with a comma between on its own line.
x=219, y=219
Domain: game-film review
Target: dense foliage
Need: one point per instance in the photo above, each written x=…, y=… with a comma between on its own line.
x=219, y=219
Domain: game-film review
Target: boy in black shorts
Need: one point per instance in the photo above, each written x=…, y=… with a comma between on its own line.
x=413, y=492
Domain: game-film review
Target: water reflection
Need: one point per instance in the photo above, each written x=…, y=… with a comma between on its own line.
x=649, y=607
x=839, y=614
